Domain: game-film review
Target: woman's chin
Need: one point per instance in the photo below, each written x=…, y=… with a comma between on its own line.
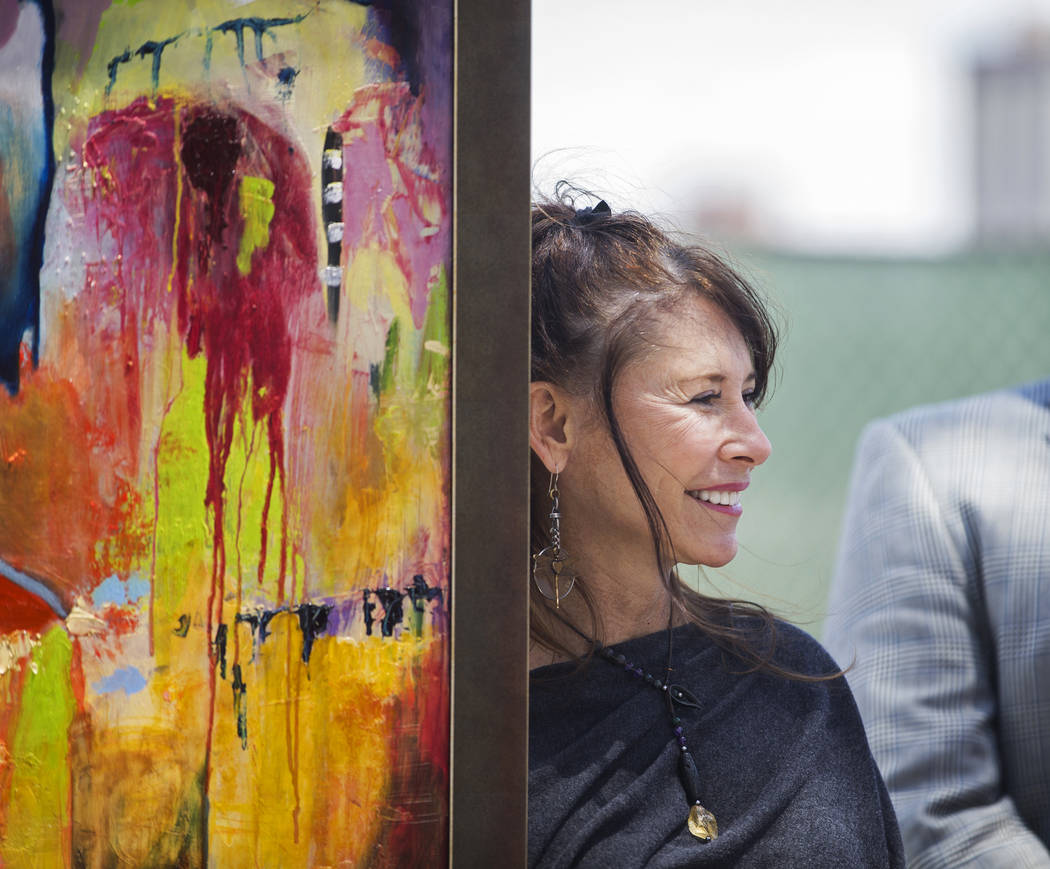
x=713, y=556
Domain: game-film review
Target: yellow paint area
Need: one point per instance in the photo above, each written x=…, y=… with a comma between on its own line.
x=311, y=786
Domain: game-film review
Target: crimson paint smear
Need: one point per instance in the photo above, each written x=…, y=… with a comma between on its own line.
x=22, y=611
x=239, y=322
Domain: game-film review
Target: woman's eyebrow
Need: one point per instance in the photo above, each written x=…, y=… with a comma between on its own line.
x=713, y=378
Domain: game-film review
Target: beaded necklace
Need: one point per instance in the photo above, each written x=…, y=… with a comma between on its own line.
x=701, y=822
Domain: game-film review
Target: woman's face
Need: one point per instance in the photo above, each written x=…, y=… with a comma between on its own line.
x=684, y=407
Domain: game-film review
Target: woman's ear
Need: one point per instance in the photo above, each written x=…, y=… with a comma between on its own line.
x=551, y=424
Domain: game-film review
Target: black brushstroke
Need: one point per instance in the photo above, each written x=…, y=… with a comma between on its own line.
x=421, y=593
x=369, y=610
x=240, y=706
x=393, y=610
x=332, y=212
x=392, y=600
x=21, y=312
x=313, y=620
x=183, y=627
x=221, y=635
x=259, y=622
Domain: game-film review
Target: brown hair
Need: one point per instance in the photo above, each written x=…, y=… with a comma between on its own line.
x=598, y=278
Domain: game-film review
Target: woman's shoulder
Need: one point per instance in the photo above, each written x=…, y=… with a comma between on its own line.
x=798, y=650
x=765, y=643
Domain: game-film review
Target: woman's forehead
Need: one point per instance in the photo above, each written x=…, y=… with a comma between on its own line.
x=694, y=328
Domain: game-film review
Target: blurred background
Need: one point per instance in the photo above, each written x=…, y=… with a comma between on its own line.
x=882, y=172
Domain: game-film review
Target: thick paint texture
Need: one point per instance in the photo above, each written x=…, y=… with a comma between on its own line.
x=233, y=493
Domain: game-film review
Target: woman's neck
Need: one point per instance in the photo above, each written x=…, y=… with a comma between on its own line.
x=624, y=609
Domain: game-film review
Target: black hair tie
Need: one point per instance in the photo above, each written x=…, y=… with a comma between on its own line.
x=586, y=215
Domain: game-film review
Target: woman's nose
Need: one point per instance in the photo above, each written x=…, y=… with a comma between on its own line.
x=746, y=442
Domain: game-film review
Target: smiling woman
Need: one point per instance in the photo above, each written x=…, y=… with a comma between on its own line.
x=667, y=728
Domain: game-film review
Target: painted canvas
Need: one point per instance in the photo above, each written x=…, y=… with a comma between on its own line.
x=225, y=246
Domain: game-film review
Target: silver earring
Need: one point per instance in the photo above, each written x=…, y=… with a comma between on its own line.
x=550, y=566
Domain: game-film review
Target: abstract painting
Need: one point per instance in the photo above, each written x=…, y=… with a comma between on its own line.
x=225, y=253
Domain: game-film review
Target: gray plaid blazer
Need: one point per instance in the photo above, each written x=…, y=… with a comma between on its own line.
x=941, y=599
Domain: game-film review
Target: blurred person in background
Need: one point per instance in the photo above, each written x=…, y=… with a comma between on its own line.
x=941, y=600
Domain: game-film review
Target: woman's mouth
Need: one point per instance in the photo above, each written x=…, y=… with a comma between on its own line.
x=720, y=500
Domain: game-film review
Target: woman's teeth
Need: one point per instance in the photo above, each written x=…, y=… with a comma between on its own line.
x=726, y=499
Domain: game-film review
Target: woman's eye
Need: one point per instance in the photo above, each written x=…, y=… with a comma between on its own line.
x=706, y=398
x=750, y=399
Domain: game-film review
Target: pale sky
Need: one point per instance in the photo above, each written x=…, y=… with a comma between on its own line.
x=844, y=124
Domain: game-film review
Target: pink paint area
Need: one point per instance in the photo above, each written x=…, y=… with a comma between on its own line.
x=401, y=202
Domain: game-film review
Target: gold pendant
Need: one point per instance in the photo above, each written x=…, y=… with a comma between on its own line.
x=702, y=823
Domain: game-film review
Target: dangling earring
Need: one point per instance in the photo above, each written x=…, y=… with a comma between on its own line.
x=553, y=560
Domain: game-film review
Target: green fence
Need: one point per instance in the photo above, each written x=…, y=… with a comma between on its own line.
x=866, y=338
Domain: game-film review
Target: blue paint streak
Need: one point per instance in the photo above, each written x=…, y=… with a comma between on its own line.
x=113, y=591
x=207, y=53
x=112, y=67
x=258, y=26
x=236, y=26
x=127, y=679
x=157, y=50
x=138, y=588
x=34, y=586
x=110, y=591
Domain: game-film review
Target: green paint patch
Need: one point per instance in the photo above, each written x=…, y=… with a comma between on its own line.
x=437, y=339
x=246, y=481
x=182, y=521
x=257, y=209
x=389, y=369
x=37, y=810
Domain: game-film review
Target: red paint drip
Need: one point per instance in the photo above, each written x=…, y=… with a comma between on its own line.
x=240, y=322
x=76, y=676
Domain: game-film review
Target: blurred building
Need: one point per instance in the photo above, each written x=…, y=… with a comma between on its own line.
x=1012, y=144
